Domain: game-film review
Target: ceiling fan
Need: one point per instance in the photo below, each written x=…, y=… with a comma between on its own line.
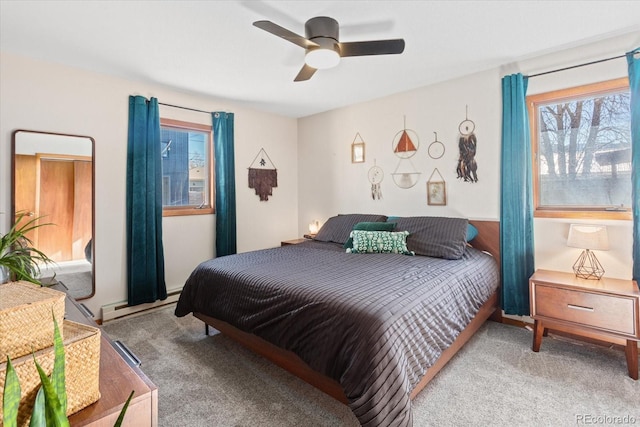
x=323, y=46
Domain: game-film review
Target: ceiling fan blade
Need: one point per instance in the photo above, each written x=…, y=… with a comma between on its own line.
x=305, y=73
x=373, y=47
x=279, y=31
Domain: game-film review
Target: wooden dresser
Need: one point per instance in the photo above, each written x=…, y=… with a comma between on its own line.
x=117, y=379
x=606, y=309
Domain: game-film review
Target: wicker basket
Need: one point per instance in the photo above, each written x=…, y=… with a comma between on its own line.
x=82, y=367
x=25, y=318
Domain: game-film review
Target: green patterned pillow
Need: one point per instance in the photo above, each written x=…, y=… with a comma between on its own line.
x=369, y=226
x=379, y=242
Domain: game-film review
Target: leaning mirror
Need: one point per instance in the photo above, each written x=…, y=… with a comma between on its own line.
x=53, y=181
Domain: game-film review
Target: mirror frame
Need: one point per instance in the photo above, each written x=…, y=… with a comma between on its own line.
x=93, y=194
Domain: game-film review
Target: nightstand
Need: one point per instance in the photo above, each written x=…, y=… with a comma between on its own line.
x=293, y=242
x=605, y=309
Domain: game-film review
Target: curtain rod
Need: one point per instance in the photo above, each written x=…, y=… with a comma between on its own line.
x=582, y=65
x=184, y=108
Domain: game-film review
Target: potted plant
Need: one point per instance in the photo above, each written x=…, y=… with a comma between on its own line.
x=50, y=406
x=19, y=260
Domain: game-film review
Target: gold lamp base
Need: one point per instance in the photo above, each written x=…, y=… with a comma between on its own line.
x=587, y=266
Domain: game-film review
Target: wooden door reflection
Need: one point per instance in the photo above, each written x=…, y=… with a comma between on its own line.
x=58, y=190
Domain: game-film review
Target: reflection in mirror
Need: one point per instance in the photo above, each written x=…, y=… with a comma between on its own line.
x=53, y=181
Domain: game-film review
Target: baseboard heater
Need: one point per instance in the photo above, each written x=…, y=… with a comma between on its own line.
x=116, y=310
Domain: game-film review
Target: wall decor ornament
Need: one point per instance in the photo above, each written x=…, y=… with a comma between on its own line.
x=436, y=190
x=405, y=175
x=376, y=175
x=357, y=149
x=405, y=144
x=436, y=148
x=263, y=175
x=467, y=143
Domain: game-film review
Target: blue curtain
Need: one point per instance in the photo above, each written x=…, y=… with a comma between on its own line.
x=516, y=204
x=634, y=87
x=225, y=184
x=145, y=255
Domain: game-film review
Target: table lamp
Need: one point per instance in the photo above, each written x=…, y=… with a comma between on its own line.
x=588, y=237
x=314, y=226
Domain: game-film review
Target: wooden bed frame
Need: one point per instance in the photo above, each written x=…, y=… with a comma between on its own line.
x=488, y=240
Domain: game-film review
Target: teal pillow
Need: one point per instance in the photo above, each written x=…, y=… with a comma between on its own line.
x=472, y=232
x=369, y=226
x=393, y=242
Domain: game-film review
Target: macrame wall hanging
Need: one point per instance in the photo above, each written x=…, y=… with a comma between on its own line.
x=436, y=189
x=467, y=166
x=405, y=144
x=376, y=175
x=263, y=175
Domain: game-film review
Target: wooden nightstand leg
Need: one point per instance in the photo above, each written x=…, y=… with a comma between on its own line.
x=538, y=331
x=631, y=351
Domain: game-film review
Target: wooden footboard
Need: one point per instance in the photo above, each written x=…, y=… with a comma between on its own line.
x=487, y=240
x=287, y=360
x=292, y=363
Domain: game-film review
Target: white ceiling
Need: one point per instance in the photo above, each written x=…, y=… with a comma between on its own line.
x=211, y=47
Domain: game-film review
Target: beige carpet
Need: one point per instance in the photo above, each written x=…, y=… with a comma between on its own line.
x=494, y=380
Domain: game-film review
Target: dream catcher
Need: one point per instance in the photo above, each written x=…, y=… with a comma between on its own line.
x=467, y=166
x=405, y=144
x=375, y=178
x=263, y=175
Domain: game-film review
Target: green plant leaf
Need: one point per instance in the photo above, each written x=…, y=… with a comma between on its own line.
x=58, y=375
x=17, y=253
x=38, y=415
x=11, y=397
x=124, y=409
x=53, y=409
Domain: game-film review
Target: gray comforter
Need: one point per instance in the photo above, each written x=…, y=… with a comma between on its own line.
x=373, y=322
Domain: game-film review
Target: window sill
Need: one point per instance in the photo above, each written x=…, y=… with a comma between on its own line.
x=185, y=212
x=595, y=215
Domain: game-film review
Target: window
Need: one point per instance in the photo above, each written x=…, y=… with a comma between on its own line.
x=187, y=176
x=581, y=141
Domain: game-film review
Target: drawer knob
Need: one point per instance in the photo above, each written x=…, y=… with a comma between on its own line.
x=579, y=307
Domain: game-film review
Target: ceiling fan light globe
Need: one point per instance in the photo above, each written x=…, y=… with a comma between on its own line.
x=322, y=58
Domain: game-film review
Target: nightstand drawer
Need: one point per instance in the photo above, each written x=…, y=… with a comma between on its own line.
x=612, y=313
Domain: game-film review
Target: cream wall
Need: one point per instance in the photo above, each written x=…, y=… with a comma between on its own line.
x=330, y=184
x=44, y=96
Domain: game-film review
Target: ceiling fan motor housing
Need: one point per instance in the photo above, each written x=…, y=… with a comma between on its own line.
x=323, y=31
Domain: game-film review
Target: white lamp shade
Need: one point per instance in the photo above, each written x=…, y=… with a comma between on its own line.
x=322, y=58
x=593, y=237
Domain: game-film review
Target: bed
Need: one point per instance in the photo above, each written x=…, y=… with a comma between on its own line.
x=367, y=311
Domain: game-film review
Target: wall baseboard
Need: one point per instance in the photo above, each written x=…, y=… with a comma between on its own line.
x=121, y=309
